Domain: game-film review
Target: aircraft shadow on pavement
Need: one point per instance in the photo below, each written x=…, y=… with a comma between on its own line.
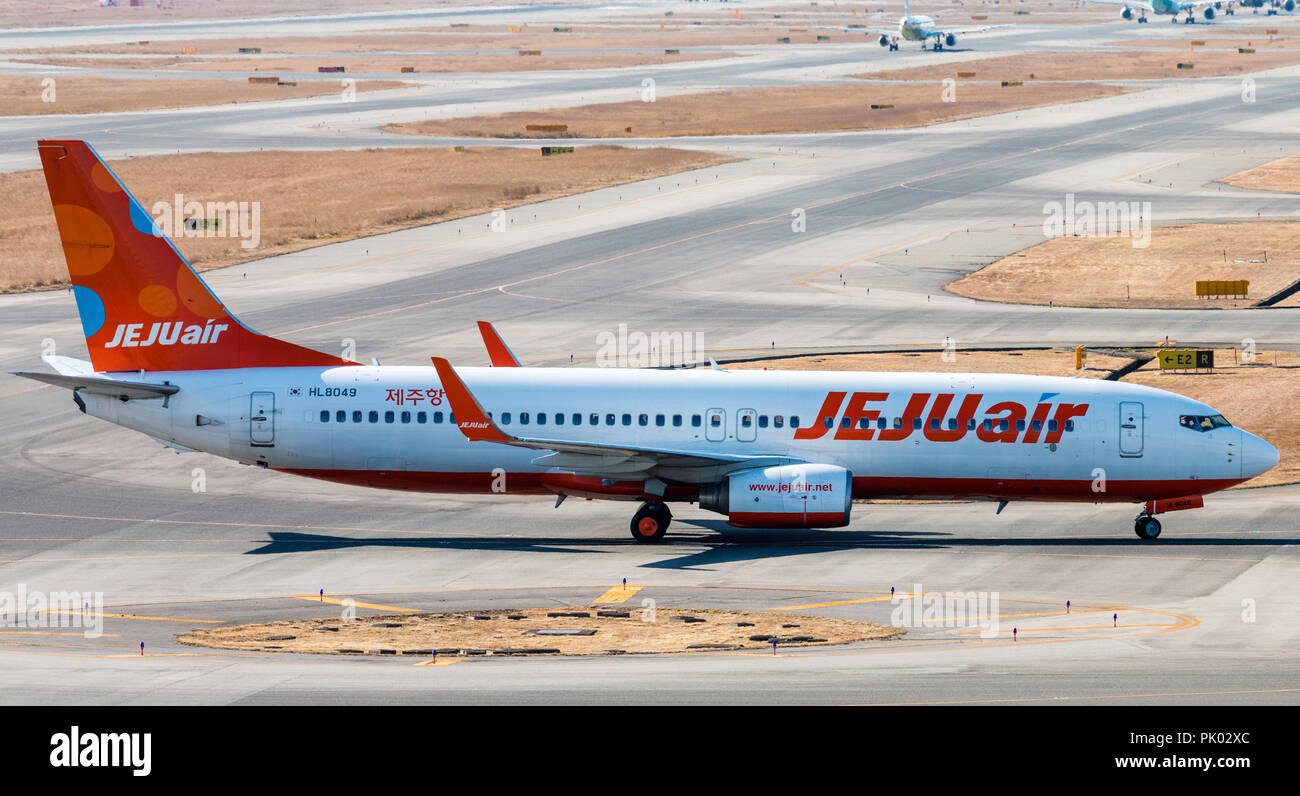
x=723, y=544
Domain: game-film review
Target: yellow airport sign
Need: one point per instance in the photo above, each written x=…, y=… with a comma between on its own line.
x=1186, y=360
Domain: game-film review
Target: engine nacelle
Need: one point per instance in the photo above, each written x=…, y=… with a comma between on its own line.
x=787, y=496
x=950, y=40
x=1127, y=13
x=1289, y=5
x=884, y=41
x=1209, y=12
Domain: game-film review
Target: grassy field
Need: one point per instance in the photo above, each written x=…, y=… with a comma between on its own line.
x=306, y=204
x=1109, y=272
x=1282, y=174
x=451, y=632
x=1257, y=396
x=764, y=110
x=26, y=96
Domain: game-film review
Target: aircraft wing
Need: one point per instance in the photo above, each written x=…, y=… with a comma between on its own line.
x=863, y=31
x=964, y=31
x=592, y=458
x=1126, y=4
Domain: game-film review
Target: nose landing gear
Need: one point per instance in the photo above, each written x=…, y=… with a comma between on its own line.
x=650, y=523
x=1146, y=526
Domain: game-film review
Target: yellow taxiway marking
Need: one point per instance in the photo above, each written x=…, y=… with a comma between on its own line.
x=437, y=662
x=138, y=616
x=152, y=655
x=1080, y=627
x=1043, y=613
x=843, y=602
x=53, y=633
x=316, y=598
x=618, y=594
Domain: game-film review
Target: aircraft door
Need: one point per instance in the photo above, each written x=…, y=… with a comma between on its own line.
x=261, y=419
x=715, y=425
x=746, y=425
x=1131, y=428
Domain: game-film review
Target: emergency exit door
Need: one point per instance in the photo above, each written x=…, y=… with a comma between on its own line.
x=261, y=419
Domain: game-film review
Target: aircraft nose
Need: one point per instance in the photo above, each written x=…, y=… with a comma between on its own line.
x=1257, y=455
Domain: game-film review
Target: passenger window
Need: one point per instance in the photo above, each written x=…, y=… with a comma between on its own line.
x=762, y=421
x=594, y=419
x=864, y=422
x=845, y=422
x=627, y=419
x=451, y=418
x=778, y=421
x=437, y=417
x=898, y=422
x=1052, y=425
x=374, y=416
x=577, y=419
x=916, y=423
x=324, y=415
x=389, y=416
x=828, y=422
x=660, y=420
x=677, y=420
x=715, y=420
x=559, y=418
x=746, y=420
x=1069, y=425
x=421, y=417
x=952, y=424
x=541, y=418
x=523, y=418
x=1006, y=425
x=406, y=417
x=1037, y=425
x=340, y=416
x=609, y=419
x=988, y=424
x=505, y=418
x=970, y=424
x=643, y=420
x=882, y=423
x=1020, y=425
x=934, y=423
x=356, y=416
x=794, y=421
x=695, y=421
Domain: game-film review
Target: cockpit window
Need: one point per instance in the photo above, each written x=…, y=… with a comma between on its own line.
x=1203, y=422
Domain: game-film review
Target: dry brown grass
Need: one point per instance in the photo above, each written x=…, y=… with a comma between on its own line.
x=764, y=110
x=305, y=204
x=1119, y=65
x=1259, y=397
x=1282, y=174
x=46, y=13
x=1248, y=38
x=1109, y=272
x=1054, y=362
x=22, y=96
x=451, y=632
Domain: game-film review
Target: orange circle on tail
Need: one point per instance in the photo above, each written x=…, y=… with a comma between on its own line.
x=158, y=300
x=87, y=239
x=195, y=296
x=104, y=180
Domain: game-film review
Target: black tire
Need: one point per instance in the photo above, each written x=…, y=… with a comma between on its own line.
x=1146, y=527
x=650, y=523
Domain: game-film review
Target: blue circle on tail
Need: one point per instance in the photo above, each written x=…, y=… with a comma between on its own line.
x=91, y=309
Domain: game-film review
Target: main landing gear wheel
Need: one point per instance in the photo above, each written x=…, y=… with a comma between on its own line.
x=650, y=523
x=1146, y=527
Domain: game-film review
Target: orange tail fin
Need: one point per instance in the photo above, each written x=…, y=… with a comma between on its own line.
x=141, y=304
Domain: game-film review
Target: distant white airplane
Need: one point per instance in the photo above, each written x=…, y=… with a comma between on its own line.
x=1172, y=8
x=919, y=28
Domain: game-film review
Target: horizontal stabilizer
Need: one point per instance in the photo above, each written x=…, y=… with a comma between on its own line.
x=98, y=385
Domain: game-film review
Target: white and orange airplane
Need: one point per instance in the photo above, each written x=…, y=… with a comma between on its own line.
x=768, y=449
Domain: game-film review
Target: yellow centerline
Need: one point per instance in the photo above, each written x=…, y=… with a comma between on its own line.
x=618, y=594
x=348, y=601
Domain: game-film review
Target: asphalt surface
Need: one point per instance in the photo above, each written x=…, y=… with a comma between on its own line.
x=1201, y=616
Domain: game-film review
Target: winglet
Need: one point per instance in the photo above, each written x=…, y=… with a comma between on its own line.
x=502, y=356
x=472, y=421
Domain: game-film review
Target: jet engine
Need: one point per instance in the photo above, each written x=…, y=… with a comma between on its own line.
x=950, y=40
x=1127, y=13
x=784, y=496
x=1289, y=5
x=884, y=41
x=1209, y=12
